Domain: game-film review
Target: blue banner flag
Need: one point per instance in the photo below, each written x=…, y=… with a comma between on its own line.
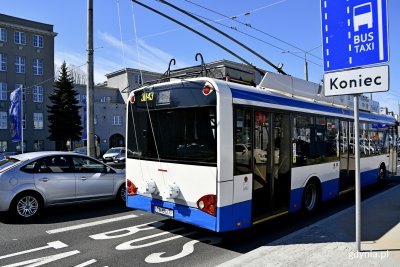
x=15, y=115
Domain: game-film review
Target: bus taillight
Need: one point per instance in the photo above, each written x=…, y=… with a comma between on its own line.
x=207, y=204
x=132, y=98
x=132, y=189
x=208, y=88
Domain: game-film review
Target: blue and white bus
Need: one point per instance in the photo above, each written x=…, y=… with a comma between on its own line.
x=226, y=156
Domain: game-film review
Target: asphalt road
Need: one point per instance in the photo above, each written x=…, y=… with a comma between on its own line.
x=103, y=234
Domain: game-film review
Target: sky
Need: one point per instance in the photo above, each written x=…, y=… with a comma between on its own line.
x=128, y=36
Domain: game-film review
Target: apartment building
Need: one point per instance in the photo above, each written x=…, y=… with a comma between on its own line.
x=27, y=61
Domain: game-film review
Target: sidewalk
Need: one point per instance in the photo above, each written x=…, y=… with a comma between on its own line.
x=331, y=241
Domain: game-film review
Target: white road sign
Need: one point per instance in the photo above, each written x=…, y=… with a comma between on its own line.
x=357, y=81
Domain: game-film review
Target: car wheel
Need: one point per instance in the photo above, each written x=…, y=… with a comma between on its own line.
x=121, y=196
x=26, y=206
x=311, y=197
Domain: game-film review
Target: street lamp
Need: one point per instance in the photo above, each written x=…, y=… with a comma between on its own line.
x=305, y=59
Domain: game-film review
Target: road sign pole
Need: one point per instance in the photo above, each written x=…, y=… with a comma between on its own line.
x=357, y=173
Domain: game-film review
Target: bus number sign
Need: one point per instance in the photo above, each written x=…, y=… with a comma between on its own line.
x=147, y=96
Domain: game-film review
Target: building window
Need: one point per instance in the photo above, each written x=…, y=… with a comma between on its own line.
x=138, y=79
x=3, y=145
x=38, y=94
x=38, y=67
x=3, y=35
x=3, y=91
x=38, y=145
x=19, y=38
x=38, y=41
x=19, y=64
x=116, y=120
x=3, y=62
x=3, y=120
x=38, y=121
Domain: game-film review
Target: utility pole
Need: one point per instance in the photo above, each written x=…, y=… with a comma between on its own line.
x=90, y=84
x=305, y=59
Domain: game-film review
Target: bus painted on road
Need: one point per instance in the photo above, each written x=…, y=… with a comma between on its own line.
x=226, y=156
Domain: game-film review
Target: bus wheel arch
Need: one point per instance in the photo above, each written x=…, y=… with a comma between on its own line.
x=311, y=195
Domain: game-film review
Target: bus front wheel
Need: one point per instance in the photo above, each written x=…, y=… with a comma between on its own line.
x=311, y=196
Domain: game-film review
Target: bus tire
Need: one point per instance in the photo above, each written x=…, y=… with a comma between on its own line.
x=382, y=173
x=26, y=206
x=311, y=195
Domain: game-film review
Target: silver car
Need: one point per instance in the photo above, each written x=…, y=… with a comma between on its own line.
x=32, y=181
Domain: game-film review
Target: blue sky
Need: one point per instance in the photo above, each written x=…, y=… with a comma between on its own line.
x=295, y=22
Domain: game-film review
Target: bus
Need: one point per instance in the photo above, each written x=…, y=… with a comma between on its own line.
x=226, y=156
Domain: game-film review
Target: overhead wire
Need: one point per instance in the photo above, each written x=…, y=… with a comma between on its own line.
x=254, y=37
x=137, y=44
x=225, y=35
x=120, y=33
x=234, y=18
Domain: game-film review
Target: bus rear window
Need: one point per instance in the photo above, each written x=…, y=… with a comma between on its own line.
x=180, y=135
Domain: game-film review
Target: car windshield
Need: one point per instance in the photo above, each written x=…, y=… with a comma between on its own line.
x=7, y=162
x=114, y=150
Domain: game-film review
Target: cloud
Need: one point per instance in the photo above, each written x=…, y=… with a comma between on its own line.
x=150, y=58
x=109, y=57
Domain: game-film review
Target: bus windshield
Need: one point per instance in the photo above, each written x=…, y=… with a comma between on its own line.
x=182, y=131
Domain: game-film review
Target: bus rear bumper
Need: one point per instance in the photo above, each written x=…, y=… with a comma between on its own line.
x=181, y=213
x=229, y=218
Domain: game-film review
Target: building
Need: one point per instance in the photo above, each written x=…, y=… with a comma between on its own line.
x=127, y=79
x=109, y=116
x=27, y=61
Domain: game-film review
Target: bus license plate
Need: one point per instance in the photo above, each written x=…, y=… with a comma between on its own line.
x=164, y=211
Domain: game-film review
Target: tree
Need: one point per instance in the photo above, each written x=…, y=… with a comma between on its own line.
x=64, y=118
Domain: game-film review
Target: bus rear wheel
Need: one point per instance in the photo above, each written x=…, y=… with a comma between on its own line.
x=310, y=197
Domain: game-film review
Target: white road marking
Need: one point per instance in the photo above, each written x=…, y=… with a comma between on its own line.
x=55, y=245
x=44, y=260
x=187, y=249
x=86, y=263
x=127, y=245
x=84, y=225
x=127, y=231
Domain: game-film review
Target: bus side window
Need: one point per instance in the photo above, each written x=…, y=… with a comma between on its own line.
x=303, y=127
x=243, y=141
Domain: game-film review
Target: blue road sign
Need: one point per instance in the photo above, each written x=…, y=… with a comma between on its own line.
x=355, y=33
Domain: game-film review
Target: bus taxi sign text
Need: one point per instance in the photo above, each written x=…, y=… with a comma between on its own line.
x=354, y=33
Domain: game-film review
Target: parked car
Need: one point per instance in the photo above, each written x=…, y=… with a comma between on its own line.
x=244, y=153
x=32, y=181
x=6, y=154
x=115, y=154
x=81, y=150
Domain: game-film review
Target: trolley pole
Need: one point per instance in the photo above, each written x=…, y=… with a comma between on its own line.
x=357, y=173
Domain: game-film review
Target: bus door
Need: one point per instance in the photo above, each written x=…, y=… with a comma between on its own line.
x=261, y=163
x=392, y=151
x=281, y=167
x=271, y=162
x=347, y=158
